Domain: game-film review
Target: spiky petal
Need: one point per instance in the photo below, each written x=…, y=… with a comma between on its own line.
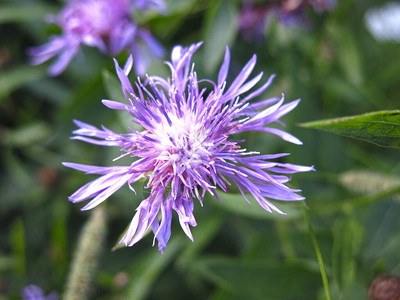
x=185, y=148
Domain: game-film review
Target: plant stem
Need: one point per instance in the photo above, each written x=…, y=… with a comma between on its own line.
x=319, y=256
x=87, y=254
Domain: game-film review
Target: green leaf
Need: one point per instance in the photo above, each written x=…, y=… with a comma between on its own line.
x=203, y=236
x=347, y=238
x=148, y=267
x=26, y=135
x=220, y=31
x=17, y=236
x=85, y=97
x=113, y=86
x=17, y=77
x=23, y=13
x=381, y=128
x=59, y=229
x=319, y=257
x=260, y=279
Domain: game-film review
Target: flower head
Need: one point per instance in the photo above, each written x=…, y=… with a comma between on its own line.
x=186, y=148
x=105, y=24
x=254, y=18
x=33, y=292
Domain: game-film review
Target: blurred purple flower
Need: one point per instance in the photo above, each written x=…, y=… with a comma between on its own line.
x=33, y=292
x=105, y=24
x=158, y=5
x=323, y=5
x=253, y=19
x=185, y=148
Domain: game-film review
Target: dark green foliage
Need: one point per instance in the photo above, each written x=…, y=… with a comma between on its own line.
x=381, y=128
x=240, y=251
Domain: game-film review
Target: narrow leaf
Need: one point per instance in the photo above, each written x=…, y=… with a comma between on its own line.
x=17, y=236
x=347, y=238
x=113, y=86
x=148, y=267
x=261, y=279
x=319, y=257
x=381, y=128
x=24, y=13
x=18, y=76
x=220, y=32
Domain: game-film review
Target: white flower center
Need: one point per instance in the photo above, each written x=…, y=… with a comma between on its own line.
x=183, y=143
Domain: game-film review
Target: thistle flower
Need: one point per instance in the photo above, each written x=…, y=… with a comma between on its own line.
x=254, y=19
x=185, y=148
x=105, y=24
x=33, y=292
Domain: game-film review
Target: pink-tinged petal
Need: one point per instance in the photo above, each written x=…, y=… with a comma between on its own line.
x=97, y=186
x=162, y=232
x=290, y=168
x=223, y=72
x=115, y=186
x=283, y=110
x=88, y=169
x=63, y=60
x=274, y=192
x=176, y=54
x=269, y=206
x=94, y=41
x=266, y=112
x=283, y=134
x=242, y=77
x=260, y=90
x=96, y=142
x=115, y=105
x=126, y=84
x=154, y=46
x=84, y=125
x=264, y=103
x=121, y=37
x=247, y=86
x=128, y=65
x=158, y=5
x=33, y=292
x=143, y=219
x=43, y=53
x=184, y=208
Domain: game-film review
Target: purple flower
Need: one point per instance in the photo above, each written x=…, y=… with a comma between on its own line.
x=105, y=24
x=254, y=19
x=33, y=292
x=185, y=148
x=323, y=5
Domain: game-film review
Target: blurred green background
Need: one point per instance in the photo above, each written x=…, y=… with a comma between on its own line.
x=240, y=251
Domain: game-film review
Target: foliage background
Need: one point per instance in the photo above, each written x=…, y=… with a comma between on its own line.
x=336, y=67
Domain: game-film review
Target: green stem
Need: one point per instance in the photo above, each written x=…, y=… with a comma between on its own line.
x=319, y=256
